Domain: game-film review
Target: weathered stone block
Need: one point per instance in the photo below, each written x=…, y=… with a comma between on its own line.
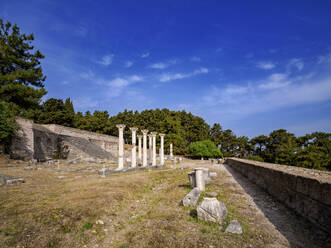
x=192, y=198
x=213, y=210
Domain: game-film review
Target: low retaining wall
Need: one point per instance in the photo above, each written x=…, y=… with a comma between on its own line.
x=303, y=190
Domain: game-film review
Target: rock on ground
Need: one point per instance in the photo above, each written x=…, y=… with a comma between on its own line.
x=192, y=198
x=234, y=227
x=211, y=209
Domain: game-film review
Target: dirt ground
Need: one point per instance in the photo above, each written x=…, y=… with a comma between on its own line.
x=72, y=206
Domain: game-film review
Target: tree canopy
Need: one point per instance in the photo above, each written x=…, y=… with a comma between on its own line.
x=21, y=76
x=204, y=149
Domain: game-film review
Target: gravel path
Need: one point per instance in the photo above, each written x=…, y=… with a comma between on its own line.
x=285, y=226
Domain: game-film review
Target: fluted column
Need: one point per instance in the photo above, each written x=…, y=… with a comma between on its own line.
x=154, y=148
x=150, y=146
x=120, y=146
x=139, y=149
x=145, y=131
x=134, y=149
x=162, y=149
x=171, y=153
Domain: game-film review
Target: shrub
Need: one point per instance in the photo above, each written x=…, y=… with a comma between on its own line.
x=205, y=148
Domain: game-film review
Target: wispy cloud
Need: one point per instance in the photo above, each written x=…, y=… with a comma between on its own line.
x=87, y=75
x=277, y=80
x=297, y=63
x=159, y=65
x=128, y=64
x=266, y=65
x=174, y=76
x=145, y=55
x=106, y=60
x=324, y=59
x=275, y=92
x=162, y=65
x=195, y=59
x=118, y=84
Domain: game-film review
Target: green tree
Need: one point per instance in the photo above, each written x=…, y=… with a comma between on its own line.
x=204, y=149
x=7, y=123
x=21, y=76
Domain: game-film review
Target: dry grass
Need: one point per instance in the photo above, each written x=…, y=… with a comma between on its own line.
x=139, y=209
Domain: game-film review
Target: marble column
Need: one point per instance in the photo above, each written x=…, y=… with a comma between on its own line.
x=120, y=146
x=154, y=148
x=162, y=149
x=200, y=179
x=139, y=149
x=145, y=131
x=134, y=149
x=150, y=146
x=171, y=154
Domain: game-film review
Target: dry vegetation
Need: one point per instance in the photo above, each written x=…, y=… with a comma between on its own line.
x=139, y=209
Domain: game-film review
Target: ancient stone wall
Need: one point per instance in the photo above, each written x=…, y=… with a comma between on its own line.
x=44, y=142
x=304, y=190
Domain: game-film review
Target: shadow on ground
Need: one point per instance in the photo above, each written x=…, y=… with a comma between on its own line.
x=298, y=231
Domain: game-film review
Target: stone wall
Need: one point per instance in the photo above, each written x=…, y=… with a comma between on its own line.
x=44, y=142
x=304, y=190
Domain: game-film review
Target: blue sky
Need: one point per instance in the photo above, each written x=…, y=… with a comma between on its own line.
x=252, y=66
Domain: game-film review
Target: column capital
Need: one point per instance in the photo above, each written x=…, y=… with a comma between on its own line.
x=144, y=131
x=161, y=135
x=133, y=129
x=150, y=135
x=139, y=136
x=120, y=126
x=153, y=134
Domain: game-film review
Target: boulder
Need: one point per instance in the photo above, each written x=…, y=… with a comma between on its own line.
x=234, y=227
x=210, y=209
x=191, y=198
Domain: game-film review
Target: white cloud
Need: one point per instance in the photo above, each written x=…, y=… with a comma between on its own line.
x=324, y=59
x=174, y=76
x=163, y=65
x=159, y=65
x=297, y=63
x=265, y=65
x=195, y=59
x=117, y=85
x=83, y=103
x=276, y=80
x=87, y=75
x=278, y=91
x=128, y=64
x=106, y=60
x=145, y=55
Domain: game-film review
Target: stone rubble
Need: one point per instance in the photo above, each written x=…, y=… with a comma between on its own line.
x=234, y=227
x=210, y=209
x=192, y=197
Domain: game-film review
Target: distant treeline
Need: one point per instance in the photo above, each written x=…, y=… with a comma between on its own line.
x=183, y=128
x=22, y=88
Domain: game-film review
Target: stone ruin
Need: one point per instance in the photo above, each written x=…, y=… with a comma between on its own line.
x=47, y=142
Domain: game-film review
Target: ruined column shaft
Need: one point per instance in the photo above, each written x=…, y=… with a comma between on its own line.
x=150, y=146
x=139, y=150
x=154, y=148
x=144, y=147
x=162, y=149
x=120, y=146
x=134, y=150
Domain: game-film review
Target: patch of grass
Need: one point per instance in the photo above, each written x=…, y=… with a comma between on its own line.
x=87, y=225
